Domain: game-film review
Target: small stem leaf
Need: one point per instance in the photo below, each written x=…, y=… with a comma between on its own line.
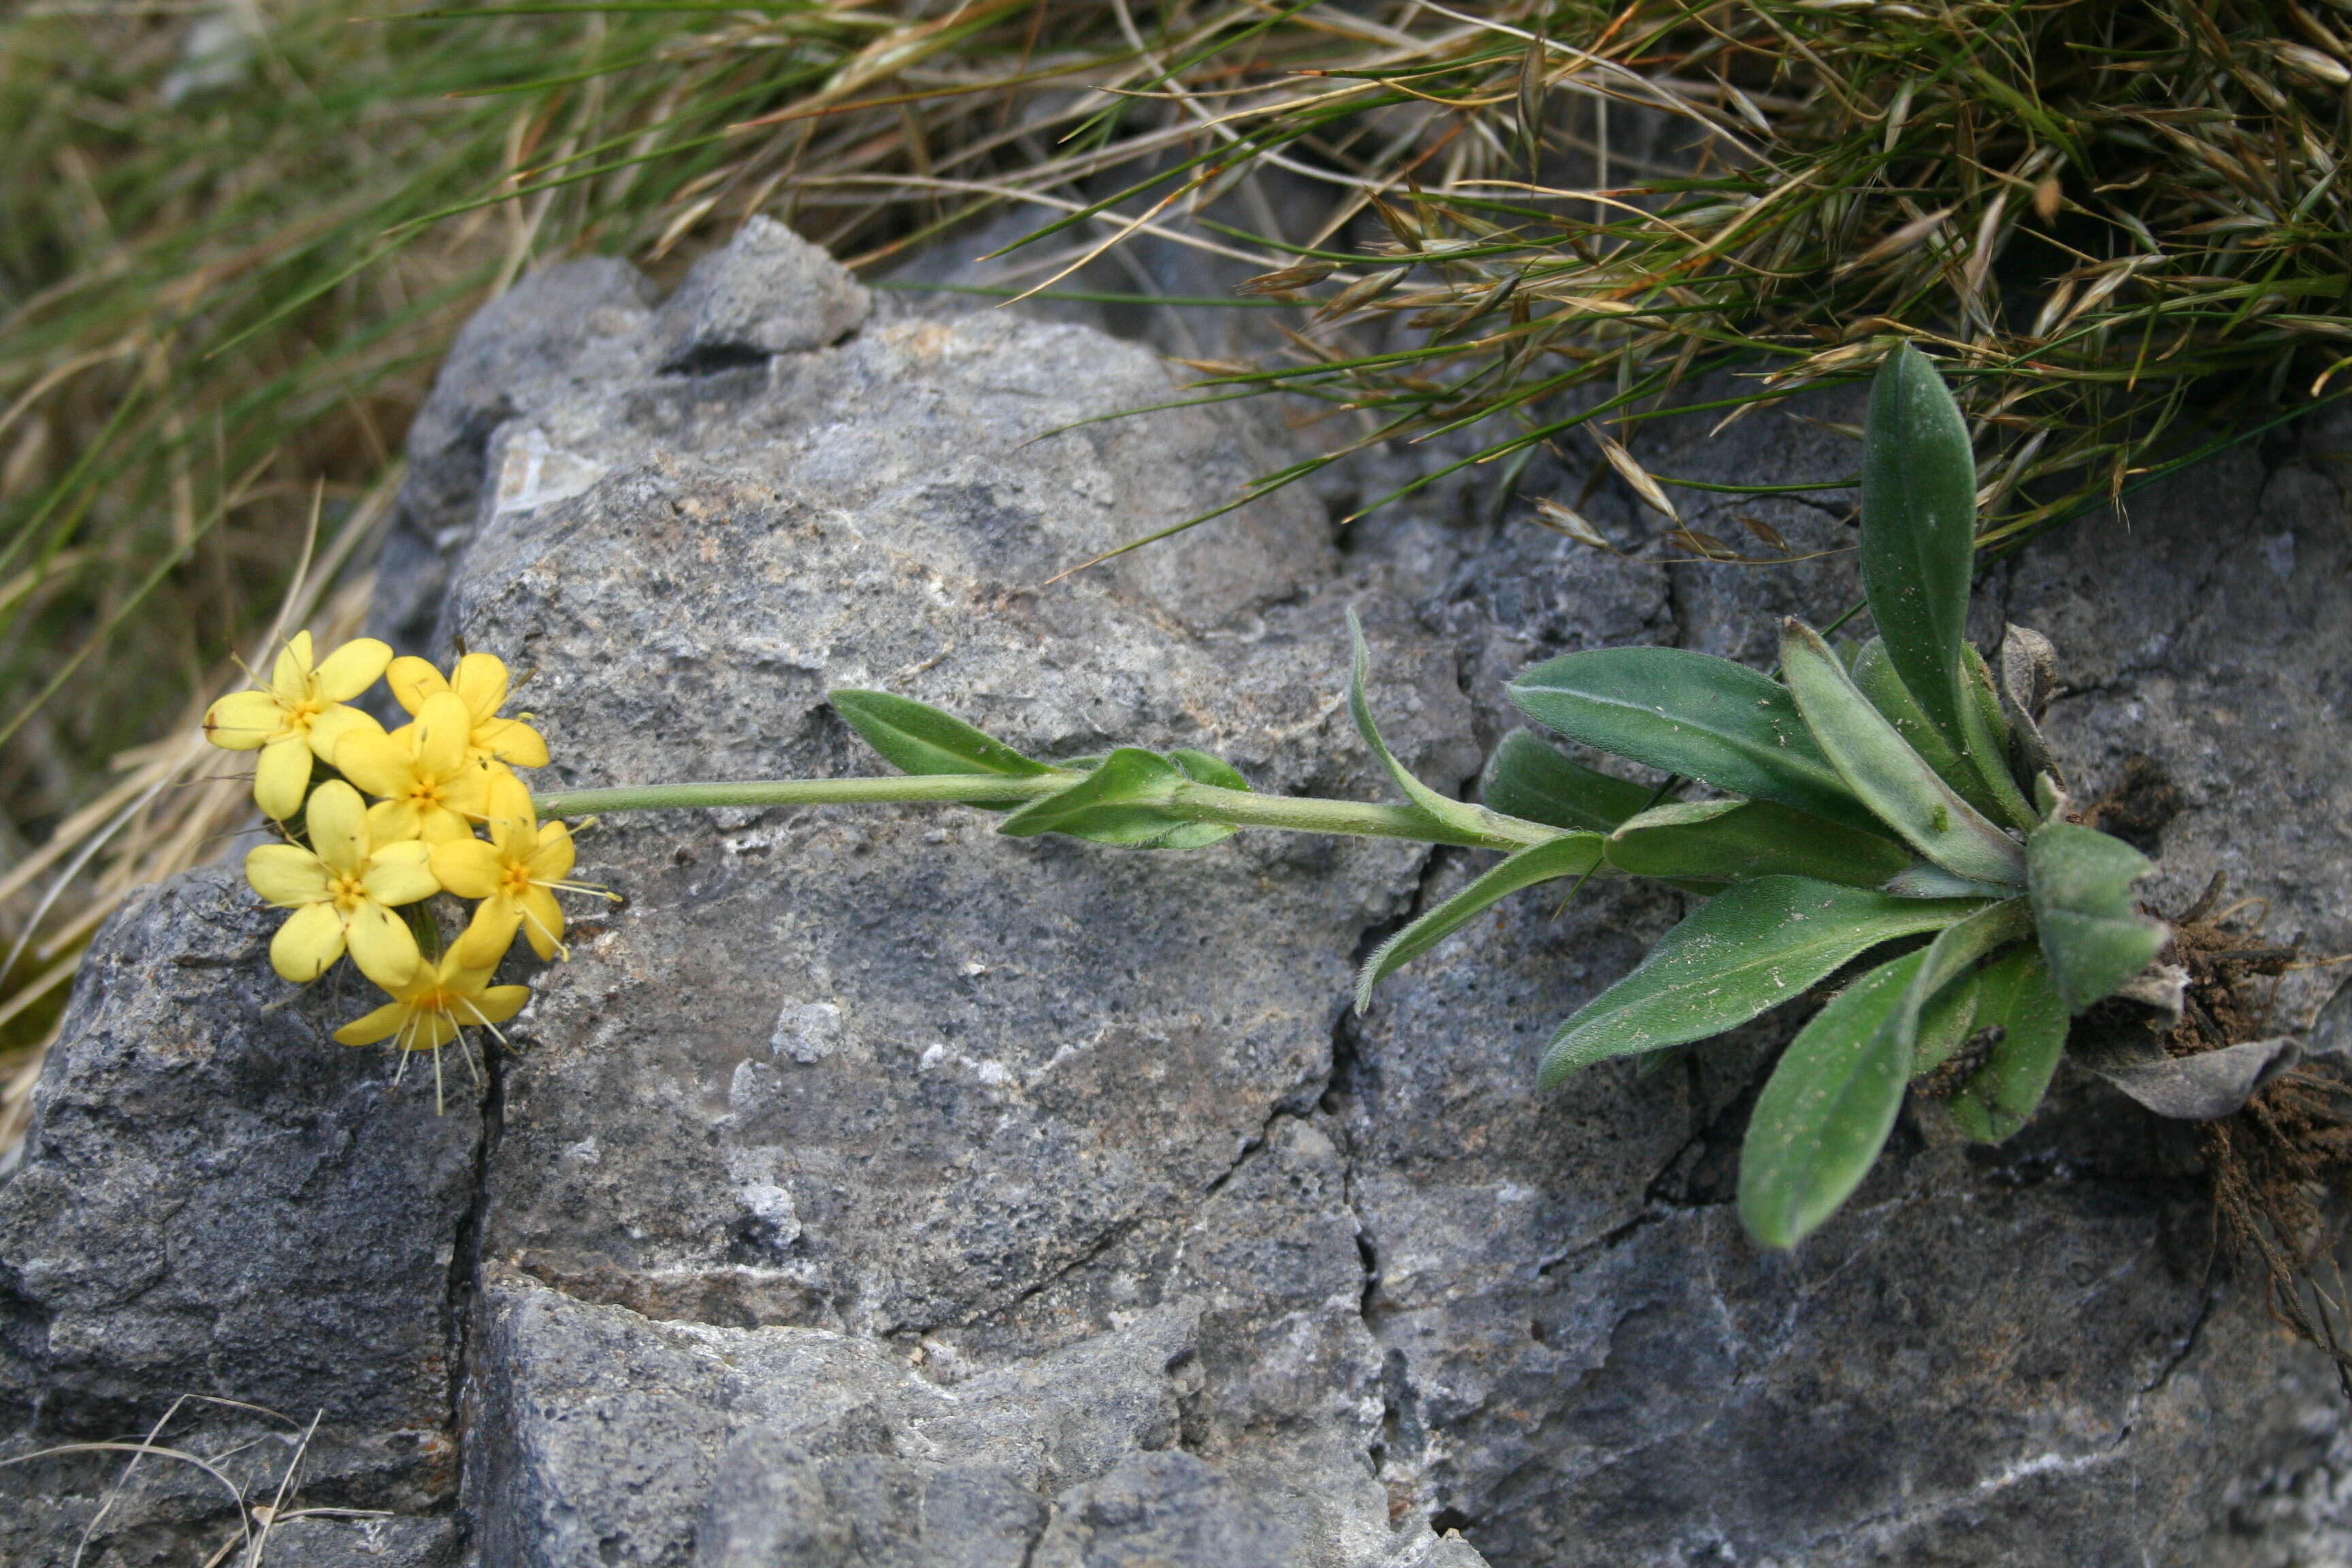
x=1874, y=675
x=1918, y=530
x=1988, y=753
x=1891, y=778
x=1758, y=944
x=1203, y=768
x=1693, y=714
x=1826, y=1110
x=917, y=737
x=2014, y=994
x=2080, y=881
x=1527, y=779
x=1460, y=816
x=1738, y=840
x=1125, y=802
x=1925, y=879
x=1571, y=856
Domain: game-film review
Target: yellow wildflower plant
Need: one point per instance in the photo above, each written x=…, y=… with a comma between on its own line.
x=432, y=1007
x=300, y=714
x=480, y=679
x=343, y=890
x=514, y=875
x=426, y=785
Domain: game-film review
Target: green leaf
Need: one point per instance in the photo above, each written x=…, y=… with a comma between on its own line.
x=1874, y=675
x=2013, y=993
x=1737, y=841
x=1830, y=1104
x=1918, y=530
x=2092, y=932
x=1126, y=801
x=1944, y=1023
x=1571, y=856
x=1692, y=714
x=917, y=737
x=1758, y=944
x=1988, y=738
x=1826, y=1110
x=1454, y=813
x=1530, y=780
x=1925, y=879
x=1891, y=778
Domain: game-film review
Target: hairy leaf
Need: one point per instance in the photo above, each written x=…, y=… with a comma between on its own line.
x=1571, y=856
x=1945, y=1023
x=1926, y=879
x=1690, y=714
x=1885, y=772
x=2080, y=881
x=1826, y=1110
x=1530, y=780
x=917, y=737
x=2014, y=994
x=1453, y=813
x=1735, y=841
x=1874, y=675
x=1758, y=944
x=1988, y=738
x=1918, y=530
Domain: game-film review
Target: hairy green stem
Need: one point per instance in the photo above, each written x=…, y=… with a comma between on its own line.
x=1202, y=803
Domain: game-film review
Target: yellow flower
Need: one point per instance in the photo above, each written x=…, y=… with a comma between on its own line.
x=514, y=876
x=433, y=1003
x=426, y=786
x=429, y=1009
x=342, y=890
x=299, y=715
x=480, y=679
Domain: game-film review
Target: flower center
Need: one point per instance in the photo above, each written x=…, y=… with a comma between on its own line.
x=348, y=892
x=515, y=881
x=298, y=717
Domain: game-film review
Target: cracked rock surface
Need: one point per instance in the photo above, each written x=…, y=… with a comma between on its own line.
x=872, y=1189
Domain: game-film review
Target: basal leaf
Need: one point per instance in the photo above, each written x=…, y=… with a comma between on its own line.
x=917, y=737
x=1571, y=856
x=1988, y=738
x=1758, y=944
x=1918, y=530
x=1125, y=801
x=1689, y=713
x=1926, y=879
x=1826, y=1110
x=1530, y=780
x=1945, y=1023
x=2014, y=994
x=1885, y=774
x=1737, y=841
x=1874, y=675
x=2092, y=932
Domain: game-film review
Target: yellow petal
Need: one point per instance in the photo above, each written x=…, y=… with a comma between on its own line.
x=552, y=860
x=543, y=920
x=380, y=1025
x=468, y=868
x=481, y=680
x=337, y=820
x=290, y=677
x=381, y=944
x=244, y=720
x=500, y=1002
x=286, y=876
x=439, y=824
x=511, y=741
x=328, y=729
x=412, y=680
x=376, y=763
x=507, y=810
x=470, y=793
x=442, y=727
x=282, y=776
x=307, y=944
x=488, y=934
x=401, y=873
x=350, y=670
x=431, y=1033
x=393, y=821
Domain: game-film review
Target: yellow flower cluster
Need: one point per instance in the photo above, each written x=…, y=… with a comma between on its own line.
x=347, y=865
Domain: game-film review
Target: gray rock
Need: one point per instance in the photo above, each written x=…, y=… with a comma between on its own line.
x=216, y=1202
x=318, y=1542
x=769, y=292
